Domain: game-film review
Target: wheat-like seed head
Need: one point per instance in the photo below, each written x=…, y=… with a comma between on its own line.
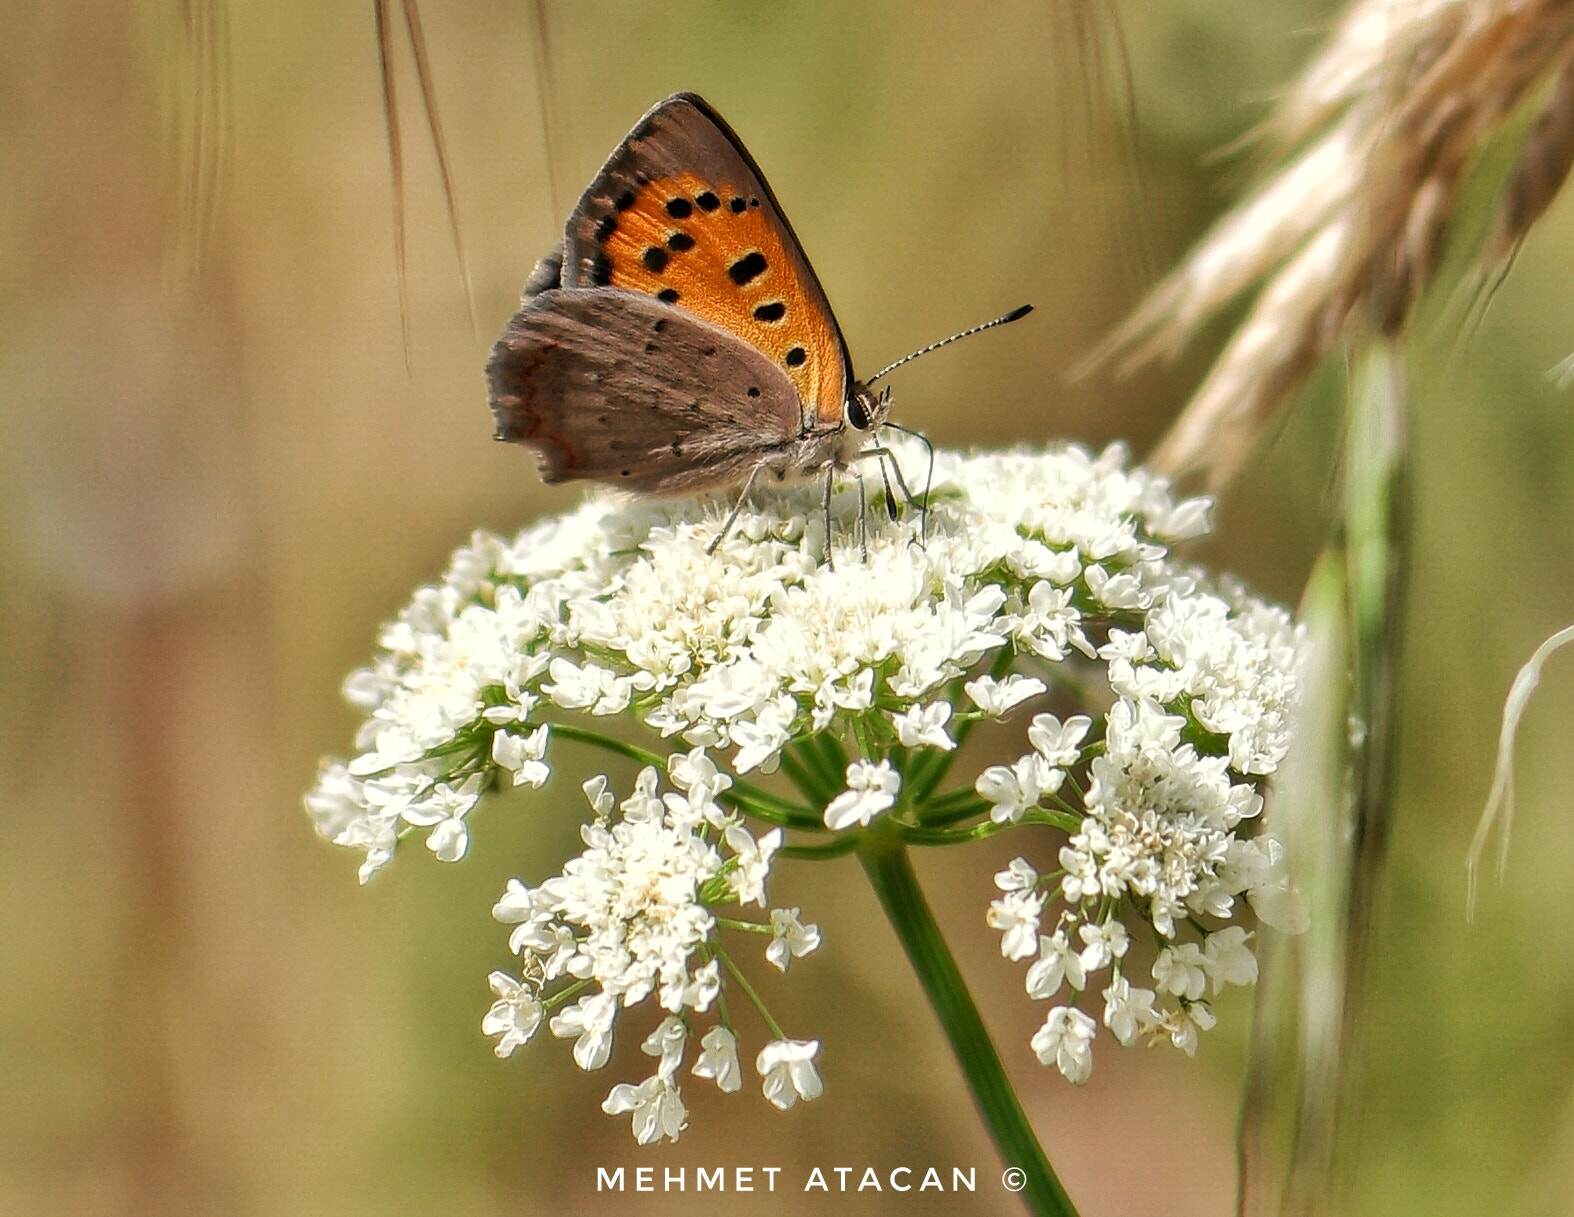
x=1347, y=230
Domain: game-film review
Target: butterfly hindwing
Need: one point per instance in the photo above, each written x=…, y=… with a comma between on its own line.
x=617, y=387
x=681, y=214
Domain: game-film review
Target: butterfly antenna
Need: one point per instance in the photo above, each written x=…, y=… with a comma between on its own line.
x=1015, y=314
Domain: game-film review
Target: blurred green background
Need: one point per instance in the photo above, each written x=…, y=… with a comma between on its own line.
x=220, y=469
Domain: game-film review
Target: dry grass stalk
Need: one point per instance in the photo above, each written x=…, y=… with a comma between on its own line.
x=1346, y=233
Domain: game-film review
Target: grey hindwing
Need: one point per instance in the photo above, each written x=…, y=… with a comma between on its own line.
x=615, y=387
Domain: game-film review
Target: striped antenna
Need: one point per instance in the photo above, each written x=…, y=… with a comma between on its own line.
x=1014, y=315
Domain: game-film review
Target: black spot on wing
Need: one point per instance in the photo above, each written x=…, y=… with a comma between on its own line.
x=624, y=201
x=600, y=270
x=747, y=268
x=738, y=206
x=706, y=201
x=668, y=295
x=679, y=209
x=606, y=226
x=655, y=260
x=774, y=311
x=796, y=356
x=680, y=242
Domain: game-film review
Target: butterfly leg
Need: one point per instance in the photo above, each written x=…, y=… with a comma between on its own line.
x=863, y=512
x=890, y=497
x=888, y=458
x=732, y=516
x=825, y=507
x=929, y=477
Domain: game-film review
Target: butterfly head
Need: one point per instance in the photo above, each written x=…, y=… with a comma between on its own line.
x=867, y=408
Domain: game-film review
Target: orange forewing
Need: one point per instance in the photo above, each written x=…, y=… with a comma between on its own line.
x=709, y=248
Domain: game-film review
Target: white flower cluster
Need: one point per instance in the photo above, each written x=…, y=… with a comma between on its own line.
x=631, y=917
x=1041, y=575
x=618, y=608
x=1160, y=802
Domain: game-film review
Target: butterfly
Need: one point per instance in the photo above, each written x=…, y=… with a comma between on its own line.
x=677, y=340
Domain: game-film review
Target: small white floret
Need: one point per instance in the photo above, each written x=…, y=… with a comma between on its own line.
x=790, y=938
x=514, y=1016
x=1066, y=1041
x=871, y=789
x=787, y=1067
x=997, y=698
x=719, y=1060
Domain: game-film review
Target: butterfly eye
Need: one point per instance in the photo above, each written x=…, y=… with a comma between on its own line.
x=857, y=415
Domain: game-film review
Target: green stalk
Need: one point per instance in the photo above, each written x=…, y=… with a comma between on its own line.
x=951, y=836
x=746, y=797
x=890, y=872
x=1332, y=802
x=842, y=843
x=925, y=779
x=581, y=735
x=812, y=774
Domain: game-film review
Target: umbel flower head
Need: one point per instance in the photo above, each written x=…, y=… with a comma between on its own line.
x=1152, y=703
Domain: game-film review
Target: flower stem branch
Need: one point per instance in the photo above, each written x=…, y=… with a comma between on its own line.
x=844, y=843
x=769, y=807
x=813, y=773
x=606, y=743
x=749, y=991
x=925, y=780
x=951, y=836
x=890, y=872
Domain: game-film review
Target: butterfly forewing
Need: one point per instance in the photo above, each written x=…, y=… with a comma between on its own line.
x=680, y=213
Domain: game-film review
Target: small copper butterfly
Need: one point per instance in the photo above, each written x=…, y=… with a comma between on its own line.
x=678, y=340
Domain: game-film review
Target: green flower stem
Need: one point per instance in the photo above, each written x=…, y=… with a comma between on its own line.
x=834, y=758
x=953, y=807
x=769, y=807
x=747, y=927
x=1066, y=821
x=553, y=1001
x=951, y=836
x=929, y=834
x=817, y=780
x=843, y=843
x=890, y=871
x=863, y=737
x=742, y=982
x=797, y=773
x=924, y=780
x=606, y=743
x=924, y=771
